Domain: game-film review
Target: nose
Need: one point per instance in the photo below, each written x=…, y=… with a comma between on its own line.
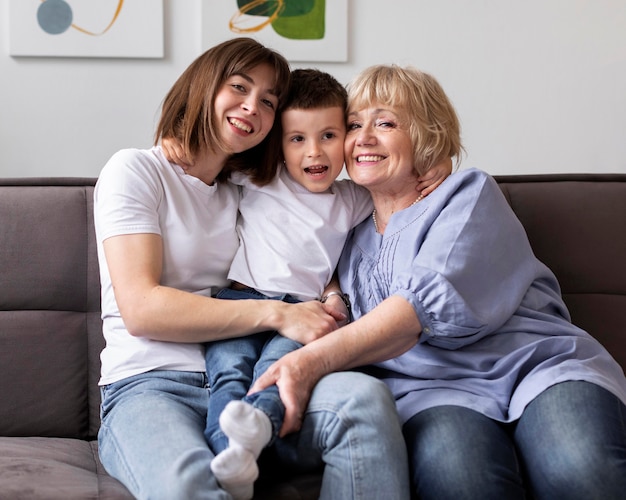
x=250, y=104
x=365, y=137
x=314, y=149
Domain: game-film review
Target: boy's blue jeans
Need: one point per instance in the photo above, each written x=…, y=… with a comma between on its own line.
x=233, y=365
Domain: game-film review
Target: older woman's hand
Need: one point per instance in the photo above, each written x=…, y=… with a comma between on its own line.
x=173, y=151
x=295, y=374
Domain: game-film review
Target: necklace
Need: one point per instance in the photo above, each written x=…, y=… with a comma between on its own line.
x=420, y=197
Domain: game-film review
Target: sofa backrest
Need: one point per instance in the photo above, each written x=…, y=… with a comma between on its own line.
x=576, y=225
x=50, y=326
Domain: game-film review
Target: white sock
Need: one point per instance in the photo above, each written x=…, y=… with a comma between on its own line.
x=246, y=426
x=236, y=470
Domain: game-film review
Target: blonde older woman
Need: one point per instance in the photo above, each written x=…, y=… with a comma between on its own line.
x=500, y=395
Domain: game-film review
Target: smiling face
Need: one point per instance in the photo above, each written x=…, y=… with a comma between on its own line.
x=245, y=107
x=312, y=145
x=379, y=151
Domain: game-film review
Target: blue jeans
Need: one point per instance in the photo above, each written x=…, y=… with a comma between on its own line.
x=232, y=366
x=151, y=438
x=570, y=442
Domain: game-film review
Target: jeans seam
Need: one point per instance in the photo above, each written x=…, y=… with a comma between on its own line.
x=120, y=456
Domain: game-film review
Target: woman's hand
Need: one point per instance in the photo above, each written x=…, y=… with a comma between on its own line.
x=308, y=321
x=335, y=305
x=295, y=374
x=428, y=182
x=174, y=152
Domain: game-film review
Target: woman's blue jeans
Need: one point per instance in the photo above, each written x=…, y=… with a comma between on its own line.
x=151, y=438
x=569, y=443
x=234, y=364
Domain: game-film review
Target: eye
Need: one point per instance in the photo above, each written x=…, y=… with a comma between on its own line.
x=296, y=138
x=269, y=103
x=353, y=126
x=328, y=135
x=385, y=124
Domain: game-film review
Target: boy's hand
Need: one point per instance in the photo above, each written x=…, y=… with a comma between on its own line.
x=427, y=183
x=173, y=151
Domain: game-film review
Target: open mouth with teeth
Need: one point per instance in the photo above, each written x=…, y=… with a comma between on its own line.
x=316, y=170
x=240, y=125
x=366, y=158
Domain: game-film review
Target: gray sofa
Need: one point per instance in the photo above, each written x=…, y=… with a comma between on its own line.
x=50, y=327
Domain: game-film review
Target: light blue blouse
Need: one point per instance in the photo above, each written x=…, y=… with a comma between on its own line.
x=496, y=332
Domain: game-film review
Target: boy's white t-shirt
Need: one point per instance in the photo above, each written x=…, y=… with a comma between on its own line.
x=139, y=191
x=291, y=238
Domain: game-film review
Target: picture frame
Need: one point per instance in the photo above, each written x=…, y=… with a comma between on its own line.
x=86, y=28
x=304, y=30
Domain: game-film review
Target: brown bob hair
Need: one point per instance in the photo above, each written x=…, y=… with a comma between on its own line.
x=187, y=113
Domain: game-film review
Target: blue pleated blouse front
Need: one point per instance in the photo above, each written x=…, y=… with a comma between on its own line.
x=496, y=332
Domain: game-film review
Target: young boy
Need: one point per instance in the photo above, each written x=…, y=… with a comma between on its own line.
x=291, y=233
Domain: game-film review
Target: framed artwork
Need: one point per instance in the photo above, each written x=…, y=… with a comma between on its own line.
x=86, y=28
x=301, y=30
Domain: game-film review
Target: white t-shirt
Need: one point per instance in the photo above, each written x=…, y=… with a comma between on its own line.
x=139, y=191
x=291, y=238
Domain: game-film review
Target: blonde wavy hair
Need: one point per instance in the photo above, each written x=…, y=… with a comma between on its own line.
x=419, y=100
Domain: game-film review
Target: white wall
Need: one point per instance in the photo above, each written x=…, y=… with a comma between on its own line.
x=540, y=85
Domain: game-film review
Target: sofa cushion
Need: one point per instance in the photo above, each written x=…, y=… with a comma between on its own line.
x=42, y=355
x=45, y=266
x=54, y=468
x=51, y=331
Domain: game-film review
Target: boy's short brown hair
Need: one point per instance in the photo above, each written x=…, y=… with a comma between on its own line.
x=314, y=89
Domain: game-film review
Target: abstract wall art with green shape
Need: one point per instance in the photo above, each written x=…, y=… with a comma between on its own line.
x=292, y=19
x=301, y=30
